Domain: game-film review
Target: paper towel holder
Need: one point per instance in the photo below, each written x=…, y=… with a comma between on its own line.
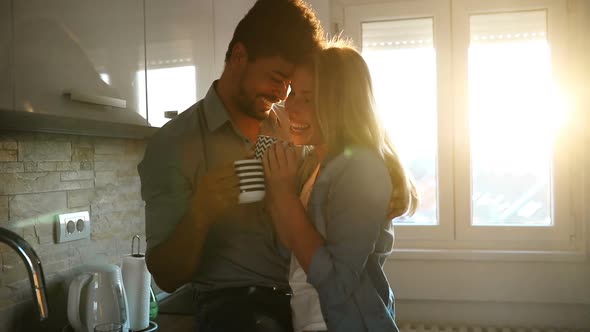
x=138, y=254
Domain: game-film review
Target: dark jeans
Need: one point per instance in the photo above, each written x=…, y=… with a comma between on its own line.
x=244, y=309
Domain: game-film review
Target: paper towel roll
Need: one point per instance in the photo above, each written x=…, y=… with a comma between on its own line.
x=136, y=281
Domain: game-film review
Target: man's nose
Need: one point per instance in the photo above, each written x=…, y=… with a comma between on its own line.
x=281, y=89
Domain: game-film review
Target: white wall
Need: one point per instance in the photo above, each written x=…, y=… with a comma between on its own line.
x=323, y=12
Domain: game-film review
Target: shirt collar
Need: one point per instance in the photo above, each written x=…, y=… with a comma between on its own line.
x=215, y=112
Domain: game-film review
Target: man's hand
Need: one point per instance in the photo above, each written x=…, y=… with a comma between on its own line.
x=217, y=193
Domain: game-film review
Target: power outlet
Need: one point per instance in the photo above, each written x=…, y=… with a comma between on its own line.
x=72, y=226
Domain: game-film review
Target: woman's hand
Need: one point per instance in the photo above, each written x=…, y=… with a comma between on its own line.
x=280, y=171
x=280, y=167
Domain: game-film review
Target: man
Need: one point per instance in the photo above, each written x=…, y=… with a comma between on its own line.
x=195, y=230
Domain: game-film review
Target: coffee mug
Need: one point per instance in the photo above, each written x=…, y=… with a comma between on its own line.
x=251, y=175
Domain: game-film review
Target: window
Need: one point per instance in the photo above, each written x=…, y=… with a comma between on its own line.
x=514, y=113
x=170, y=88
x=471, y=93
x=402, y=62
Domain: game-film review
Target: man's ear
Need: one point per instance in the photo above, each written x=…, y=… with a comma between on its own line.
x=239, y=54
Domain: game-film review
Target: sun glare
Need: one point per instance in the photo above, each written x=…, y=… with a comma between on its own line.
x=515, y=113
x=515, y=108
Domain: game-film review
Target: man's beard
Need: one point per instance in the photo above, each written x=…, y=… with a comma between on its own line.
x=246, y=105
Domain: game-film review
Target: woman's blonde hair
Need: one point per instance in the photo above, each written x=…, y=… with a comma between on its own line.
x=346, y=112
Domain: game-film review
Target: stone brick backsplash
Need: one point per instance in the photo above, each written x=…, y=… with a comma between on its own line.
x=43, y=175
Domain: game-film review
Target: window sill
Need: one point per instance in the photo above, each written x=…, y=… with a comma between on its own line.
x=489, y=255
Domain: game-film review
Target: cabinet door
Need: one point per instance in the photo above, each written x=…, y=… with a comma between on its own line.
x=93, y=49
x=5, y=48
x=179, y=50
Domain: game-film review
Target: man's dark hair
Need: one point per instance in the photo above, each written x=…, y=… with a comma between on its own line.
x=287, y=28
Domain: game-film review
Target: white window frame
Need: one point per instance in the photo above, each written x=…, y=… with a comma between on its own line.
x=438, y=11
x=451, y=40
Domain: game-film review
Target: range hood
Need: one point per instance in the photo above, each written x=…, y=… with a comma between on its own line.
x=65, y=70
x=77, y=112
x=25, y=121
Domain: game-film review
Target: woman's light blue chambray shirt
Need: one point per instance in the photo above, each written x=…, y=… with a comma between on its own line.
x=348, y=206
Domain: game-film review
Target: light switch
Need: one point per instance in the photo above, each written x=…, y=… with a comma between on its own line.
x=72, y=226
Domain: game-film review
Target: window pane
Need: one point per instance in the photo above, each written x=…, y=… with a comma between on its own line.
x=402, y=60
x=513, y=116
x=169, y=89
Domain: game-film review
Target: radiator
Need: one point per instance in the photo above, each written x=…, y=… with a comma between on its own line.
x=418, y=327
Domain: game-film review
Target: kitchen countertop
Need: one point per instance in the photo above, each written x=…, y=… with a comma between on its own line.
x=175, y=312
x=166, y=323
x=175, y=323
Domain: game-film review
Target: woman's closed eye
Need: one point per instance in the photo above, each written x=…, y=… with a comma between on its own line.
x=292, y=94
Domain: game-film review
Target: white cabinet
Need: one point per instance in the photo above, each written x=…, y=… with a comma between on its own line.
x=93, y=48
x=5, y=38
x=228, y=14
x=179, y=51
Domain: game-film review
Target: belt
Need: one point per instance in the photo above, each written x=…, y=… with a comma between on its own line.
x=246, y=291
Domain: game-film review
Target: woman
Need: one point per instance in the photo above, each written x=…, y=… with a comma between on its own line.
x=340, y=245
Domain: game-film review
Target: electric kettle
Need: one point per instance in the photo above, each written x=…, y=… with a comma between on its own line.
x=97, y=296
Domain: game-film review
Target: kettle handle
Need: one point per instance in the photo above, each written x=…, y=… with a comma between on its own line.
x=74, y=293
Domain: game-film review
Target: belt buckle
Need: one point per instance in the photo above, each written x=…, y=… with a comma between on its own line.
x=282, y=291
x=274, y=289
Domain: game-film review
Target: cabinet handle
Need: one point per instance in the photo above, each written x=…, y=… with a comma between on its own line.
x=170, y=114
x=75, y=95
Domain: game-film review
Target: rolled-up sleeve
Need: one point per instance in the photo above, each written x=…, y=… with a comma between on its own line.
x=355, y=211
x=164, y=188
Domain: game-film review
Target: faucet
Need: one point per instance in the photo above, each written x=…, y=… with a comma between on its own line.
x=33, y=265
